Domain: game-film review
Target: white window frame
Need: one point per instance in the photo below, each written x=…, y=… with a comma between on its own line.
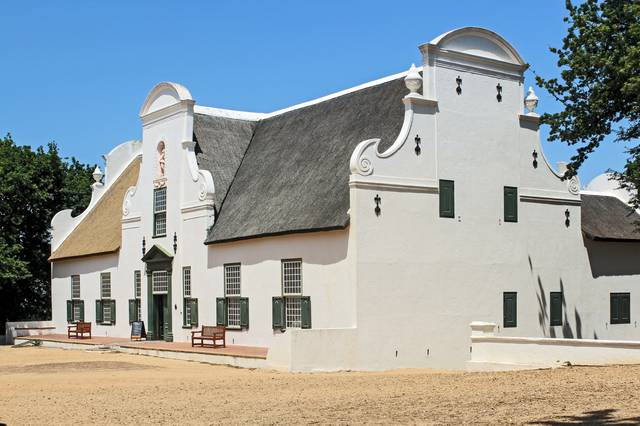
x=137, y=292
x=160, y=211
x=105, y=285
x=232, y=293
x=75, y=295
x=156, y=275
x=292, y=292
x=75, y=311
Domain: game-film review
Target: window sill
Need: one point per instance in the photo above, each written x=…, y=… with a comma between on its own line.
x=159, y=236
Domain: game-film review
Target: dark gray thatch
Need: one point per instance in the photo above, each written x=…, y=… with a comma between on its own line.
x=609, y=219
x=295, y=174
x=221, y=144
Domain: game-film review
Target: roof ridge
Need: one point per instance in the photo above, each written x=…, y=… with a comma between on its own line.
x=259, y=116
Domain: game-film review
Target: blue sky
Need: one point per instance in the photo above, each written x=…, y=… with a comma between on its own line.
x=78, y=72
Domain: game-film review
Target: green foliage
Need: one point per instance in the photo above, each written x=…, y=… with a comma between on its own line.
x=599, y=85
x=34, y=185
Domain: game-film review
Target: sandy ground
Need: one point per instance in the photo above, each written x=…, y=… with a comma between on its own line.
x=55, y=386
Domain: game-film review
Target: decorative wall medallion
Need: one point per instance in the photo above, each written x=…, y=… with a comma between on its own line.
x=573, y=185
x=202, y=195
x=377, y=200
x=459, y=83
x=499, y=95
x=126, y=204
x=417, y=149
x=364, y=166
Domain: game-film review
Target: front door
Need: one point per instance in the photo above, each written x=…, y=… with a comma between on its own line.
x=160, y=323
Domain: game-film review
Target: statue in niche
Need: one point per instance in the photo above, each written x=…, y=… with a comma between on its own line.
x=160, y=179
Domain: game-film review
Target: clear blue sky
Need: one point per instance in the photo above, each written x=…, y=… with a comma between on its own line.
x=78, y=72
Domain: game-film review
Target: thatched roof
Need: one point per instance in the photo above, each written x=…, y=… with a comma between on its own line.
x=220, y=145
x=100, y=230
x=606, y=218
x=295, y=173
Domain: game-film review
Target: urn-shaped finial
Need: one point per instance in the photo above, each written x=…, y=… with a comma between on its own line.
x=413, y=80
x=97, y=174
x=531, y=101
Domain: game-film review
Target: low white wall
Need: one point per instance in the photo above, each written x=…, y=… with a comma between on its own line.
x=490, y=352
x=330, y=349
x=27, y=328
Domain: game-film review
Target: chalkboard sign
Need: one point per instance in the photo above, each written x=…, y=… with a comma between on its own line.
x=137, y=330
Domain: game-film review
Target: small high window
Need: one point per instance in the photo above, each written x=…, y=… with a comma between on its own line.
x=620, y=308
x=75, y=286
x=510, y=309
x=447, y=198
x=555, y=302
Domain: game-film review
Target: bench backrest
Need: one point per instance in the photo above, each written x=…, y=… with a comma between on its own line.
x=210, y=330
x=83, y=327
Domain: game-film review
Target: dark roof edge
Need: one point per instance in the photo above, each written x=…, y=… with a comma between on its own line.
x=80, y=256
x=611, y=240
x=278, y=234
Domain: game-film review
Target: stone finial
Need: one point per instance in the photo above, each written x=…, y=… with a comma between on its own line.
x=413, y=80
x=97, y=174
x=531, y=101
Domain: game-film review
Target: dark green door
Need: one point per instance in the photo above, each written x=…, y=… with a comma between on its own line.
x=160, y=314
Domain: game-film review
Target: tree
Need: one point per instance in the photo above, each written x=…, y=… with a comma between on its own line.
x=34, y=185
x=600, y=84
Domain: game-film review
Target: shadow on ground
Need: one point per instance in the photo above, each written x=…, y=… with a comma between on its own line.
x=599, y=417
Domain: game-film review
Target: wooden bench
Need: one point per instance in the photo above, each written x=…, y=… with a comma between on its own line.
x=209, y=333
x=79, y=329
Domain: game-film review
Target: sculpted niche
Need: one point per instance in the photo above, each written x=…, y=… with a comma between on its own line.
x=161, y=178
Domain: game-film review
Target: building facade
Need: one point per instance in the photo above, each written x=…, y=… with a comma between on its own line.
x=364, y=230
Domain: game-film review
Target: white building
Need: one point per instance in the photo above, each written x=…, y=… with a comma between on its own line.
x=363, y=230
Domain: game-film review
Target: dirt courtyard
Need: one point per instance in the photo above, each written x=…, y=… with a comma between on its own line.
x=56, y=386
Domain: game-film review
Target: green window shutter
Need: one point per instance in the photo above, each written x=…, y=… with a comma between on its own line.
x=113, y=311
x=98, y=311
x=613, y=310
x=305, y=305
x=69, y=311
x=510, y=309
x=81, y=304
x=625, y=308
x=447, y=198
x=277, y=308
x=555, y=300
x=185, y=301
x=132, y=311
x=221, y=311
x=244, y=312
x=510, y=204
x=194, y=311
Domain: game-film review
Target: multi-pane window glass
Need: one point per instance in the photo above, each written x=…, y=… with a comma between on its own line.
x=291, y=277
x=160, y=282
x=186, y=281
x=186, y=288
x=137, y=284
x=106, y=313
x=77, y=316
x=232, y=293
x=232, y=280
x=75, y=286
x=160, y=211
x=293, y=312
x=105, y=285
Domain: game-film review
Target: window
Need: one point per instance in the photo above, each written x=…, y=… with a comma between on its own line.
x=105, y=307
x=135, y=304
x=160, y=282
x=292, y=309
x=190, y=311
x=620, y=308
x=232, y=294
x=510, y=204
x=447, y=198
x=555, y=301
x=75, y=310
x=160, y=212
x=510, y=309
x=232, y=310
x=75, y=286
x=105, y=285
